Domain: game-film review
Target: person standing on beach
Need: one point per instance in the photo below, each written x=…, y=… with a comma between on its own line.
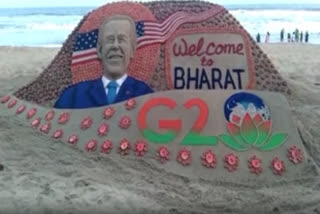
x=289, y=37
x=267, y=38
x=296, y=34
x=301, y=36
x=258, y=38
x=282, y=35
x=306, y=38
x=293, y=36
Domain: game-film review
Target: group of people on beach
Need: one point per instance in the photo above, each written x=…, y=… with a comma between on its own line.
x=296, y=36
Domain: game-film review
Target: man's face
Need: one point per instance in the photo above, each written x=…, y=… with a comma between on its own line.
x=115, y=48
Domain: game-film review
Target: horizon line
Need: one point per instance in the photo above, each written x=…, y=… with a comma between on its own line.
x=94, y=6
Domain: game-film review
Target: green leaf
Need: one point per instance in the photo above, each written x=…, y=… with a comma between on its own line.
x=193, y=138
x=263, y=130
x=261, y=139
x=274, y=142
x=229, y=141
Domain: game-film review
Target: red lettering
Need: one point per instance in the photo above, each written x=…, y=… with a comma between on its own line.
x=192, y=50
x=211, y=44
x=198, y=49
x=240, y=49
x=180, y=52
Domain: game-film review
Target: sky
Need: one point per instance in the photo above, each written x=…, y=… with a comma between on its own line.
x=95, y=3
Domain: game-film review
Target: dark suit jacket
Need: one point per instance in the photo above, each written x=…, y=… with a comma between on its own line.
x=92, y=93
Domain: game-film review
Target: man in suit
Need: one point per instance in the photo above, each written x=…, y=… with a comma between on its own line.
x=115, y=47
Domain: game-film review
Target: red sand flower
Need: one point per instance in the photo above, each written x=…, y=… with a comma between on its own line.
x=103, y=129
x=31, y=113
x=163, y=154
x=184, y=156
x=231, y=162
x=209, y=159
x=141, y=148
x=254, y=164
x=36, y=122
x=5, y=99
x=91, y=145
x=73, y=139
x=50, y=115
x=12, y=103
x=125, y=122
x=124, y=147
x=106, y=147
x=295, y=155
x=108, y=112
x=130, y=104
x=21, y=109
x=86, y=123
x=277, y=166
x=58, y=134
x=45, y=128
x=64, y=118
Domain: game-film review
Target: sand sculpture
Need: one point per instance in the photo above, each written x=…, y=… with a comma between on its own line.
x=218, y=106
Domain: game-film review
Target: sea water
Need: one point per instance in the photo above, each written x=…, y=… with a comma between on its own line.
x=49, y=27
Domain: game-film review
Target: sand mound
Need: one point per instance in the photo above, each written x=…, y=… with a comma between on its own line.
x=43, y=176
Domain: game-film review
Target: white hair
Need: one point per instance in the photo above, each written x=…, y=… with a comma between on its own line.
x=133, y=34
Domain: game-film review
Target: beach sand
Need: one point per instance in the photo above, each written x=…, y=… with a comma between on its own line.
x=44, y=176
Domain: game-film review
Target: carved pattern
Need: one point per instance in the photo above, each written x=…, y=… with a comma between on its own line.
x=141, y=148
x=91, y=145
x=57, y=134
x=254, y=164
x=124, y=147
x=125, y=122
x=12, y=103
x=209, y=159
x=45, y=128
x=278, y=167
x=31, y=113
x=86, y=123
x=108, y=112
x=5, y=99
x=50, y=115
x=231, y=162
x=163, y=154
x=184, y=157
x=36, y=122
x=103, y=129
x=295, y=155
x=73, y=139
x=130, y=104
x=106, y=147
x=21, y=109
x=64, y=118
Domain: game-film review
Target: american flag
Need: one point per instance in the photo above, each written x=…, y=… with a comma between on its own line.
x=148, y=32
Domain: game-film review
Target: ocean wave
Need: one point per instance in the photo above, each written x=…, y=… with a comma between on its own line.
x=47, y=26
x=259, y=7
x=38, y=27
x=54, y=11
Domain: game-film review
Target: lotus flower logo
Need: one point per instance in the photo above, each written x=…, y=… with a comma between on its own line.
x=249, y=124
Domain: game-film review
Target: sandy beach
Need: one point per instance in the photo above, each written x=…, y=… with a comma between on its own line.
x=44, y=176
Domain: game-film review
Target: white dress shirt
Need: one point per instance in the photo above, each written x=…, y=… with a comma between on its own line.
x=106, y=81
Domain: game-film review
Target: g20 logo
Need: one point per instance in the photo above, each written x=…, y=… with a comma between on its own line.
x=173, y=126
x=249, y=123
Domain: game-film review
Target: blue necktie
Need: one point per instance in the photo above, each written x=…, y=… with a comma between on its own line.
x=112, y=91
